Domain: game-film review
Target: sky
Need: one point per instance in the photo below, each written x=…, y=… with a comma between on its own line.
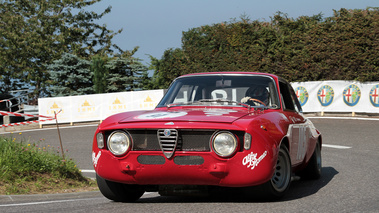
x=157, y=25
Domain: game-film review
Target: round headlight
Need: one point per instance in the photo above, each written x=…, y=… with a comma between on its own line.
x=118, y=142
x=224, y=144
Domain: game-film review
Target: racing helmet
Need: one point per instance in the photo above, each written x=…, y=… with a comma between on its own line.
x=258, y=92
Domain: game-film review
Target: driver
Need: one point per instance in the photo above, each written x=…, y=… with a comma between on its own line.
x=256, y=96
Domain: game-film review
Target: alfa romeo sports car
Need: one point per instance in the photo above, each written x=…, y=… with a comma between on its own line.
x=221, y=129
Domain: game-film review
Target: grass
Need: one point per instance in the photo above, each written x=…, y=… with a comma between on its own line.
x=28, y=168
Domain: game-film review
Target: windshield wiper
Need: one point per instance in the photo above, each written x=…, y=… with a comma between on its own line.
x=202, y=101
x=178, y=104
x=220, y=100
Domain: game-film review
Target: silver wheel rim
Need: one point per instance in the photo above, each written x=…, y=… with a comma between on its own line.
x=282, y=174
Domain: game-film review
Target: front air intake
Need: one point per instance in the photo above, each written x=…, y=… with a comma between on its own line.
x=168, y=139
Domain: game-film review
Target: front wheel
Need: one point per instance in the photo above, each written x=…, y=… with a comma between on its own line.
x=119, y=192
x=280, y=182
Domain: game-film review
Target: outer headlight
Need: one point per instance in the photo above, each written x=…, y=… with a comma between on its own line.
x=118, y=142
x=224, y=144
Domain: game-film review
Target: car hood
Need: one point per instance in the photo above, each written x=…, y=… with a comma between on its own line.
x=190, y=115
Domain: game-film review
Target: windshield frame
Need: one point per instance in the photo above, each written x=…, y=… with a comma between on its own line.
x=174, y=89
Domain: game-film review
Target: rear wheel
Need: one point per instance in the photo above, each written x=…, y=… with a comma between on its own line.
x=119, y=192
x=313, y=169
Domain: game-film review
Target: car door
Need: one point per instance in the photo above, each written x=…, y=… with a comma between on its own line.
x=298, y=130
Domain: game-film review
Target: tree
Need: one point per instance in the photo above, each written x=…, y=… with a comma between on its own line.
x=170, y=66
x=100, y=74
x=34, y=33
x=70, y=75
x=125, y=74
x=308, y=48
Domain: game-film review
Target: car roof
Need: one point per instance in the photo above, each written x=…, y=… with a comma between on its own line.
x=231, y=72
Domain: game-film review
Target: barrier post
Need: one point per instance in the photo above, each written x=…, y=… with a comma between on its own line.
x=59, y=134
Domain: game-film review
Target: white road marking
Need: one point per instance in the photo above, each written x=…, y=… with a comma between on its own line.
x=57, y=201
x=50, y=128
x=336, y=146
x=48, y=202
x=87, y=171
x=345, y=118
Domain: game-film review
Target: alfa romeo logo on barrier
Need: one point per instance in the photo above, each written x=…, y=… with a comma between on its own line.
x=374, y=93
x=325, y=95
x=351, y=95
x=302, y=95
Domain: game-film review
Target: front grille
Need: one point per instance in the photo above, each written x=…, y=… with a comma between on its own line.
x=168, y=139
x=195, y=140
x=188, y=140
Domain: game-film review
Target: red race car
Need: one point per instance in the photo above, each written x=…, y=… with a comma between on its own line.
x=210, y=130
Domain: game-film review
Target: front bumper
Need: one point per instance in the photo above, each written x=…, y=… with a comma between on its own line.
x=245, y=168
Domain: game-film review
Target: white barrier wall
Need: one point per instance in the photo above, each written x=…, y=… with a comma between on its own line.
x=316, y=96
x=338, y=96
x=97, y=107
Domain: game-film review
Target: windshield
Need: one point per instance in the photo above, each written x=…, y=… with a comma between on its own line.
x=226, y=89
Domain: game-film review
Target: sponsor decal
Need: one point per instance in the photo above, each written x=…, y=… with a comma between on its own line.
x=95, y=158
x=374, y=95
x=148, y=103
x=325, y=95
x=351, y=95
x=161, y=115
x=302, y=95
x=54, y=107
x=117, y=105
x=86, y=107
x=252, y=161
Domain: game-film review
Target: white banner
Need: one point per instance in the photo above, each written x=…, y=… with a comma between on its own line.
x=97, y=107
x=338, y=96
x=316, y=96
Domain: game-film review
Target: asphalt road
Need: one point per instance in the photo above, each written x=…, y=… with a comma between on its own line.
x=348, y=184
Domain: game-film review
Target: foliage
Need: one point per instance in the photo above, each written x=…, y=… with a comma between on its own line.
x=171, y=64
x=35, y=33
x=71, y=76
x=100, y=72
x=342, y=47
x=125, y=74
x=21, y=164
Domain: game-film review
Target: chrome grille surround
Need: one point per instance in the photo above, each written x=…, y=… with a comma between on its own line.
x=168, y=140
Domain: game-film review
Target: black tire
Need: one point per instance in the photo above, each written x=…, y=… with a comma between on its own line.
x=279, y=184
x=313, y=170
x=119, y=192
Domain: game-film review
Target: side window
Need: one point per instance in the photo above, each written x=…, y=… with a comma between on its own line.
x=285, y=93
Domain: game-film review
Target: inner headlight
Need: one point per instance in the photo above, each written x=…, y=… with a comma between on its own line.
x=118, y=142
x=224, y=144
